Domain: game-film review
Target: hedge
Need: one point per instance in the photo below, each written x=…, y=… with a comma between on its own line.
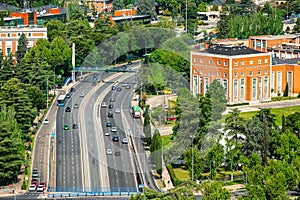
x=172, y=175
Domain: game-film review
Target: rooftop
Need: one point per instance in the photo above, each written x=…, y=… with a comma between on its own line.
x=278, y=61
x=231, y=50
x=272, y=37
x=6, y=7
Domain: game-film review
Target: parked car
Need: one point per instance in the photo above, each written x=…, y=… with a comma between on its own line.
x=109, y=152
x=68, y=95
x=125, y=141
x=76, y=105
x=81, y=94
x=40, y=188
x=104, y=104
x=32, y=188
x=46, y=121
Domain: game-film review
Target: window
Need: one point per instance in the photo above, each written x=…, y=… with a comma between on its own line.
x=8, y=34
x=259, y=72
x=242, y=90
x=206, y=84
x=201, y=71
x=19, y=34
x=225, y=85
x=195, y=71
x=235, y=90
x=225, y=74
x=266, y=87
x=210, y=62
x=272, y=81
x=195, y=85
x=201, y=84
x=8, y=51
x=251, y=73
x=219, y=62
x=210, y=73
x=259, y=61
x=242, y=63
x=219, y=74
x=235, y=74
x=195, y=59
x=266, y=71
x=279, y=81
x=235, y=63
x=290, y=81
x=201, y=60
x=251, y=62
x=254, y=89
x=242, y=74
x=225, y=63
x=266, y=60
x=29, y=34
x=260, y=88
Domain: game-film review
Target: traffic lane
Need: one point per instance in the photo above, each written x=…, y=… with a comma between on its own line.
x=41, y=149
x=121, y=174
x=63, y=142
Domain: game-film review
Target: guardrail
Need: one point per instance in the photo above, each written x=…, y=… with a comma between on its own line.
x=85, y=194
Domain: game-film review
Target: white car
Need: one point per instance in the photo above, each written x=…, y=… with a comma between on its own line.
x=106, y=133
x=109, y=152
x=81, y=94
x=76, y=105
x=46, y=121
x=125, y=141
x=118, y=111
x=104, y=104
x=40, y=188
x=114, y=129
x=32, y=188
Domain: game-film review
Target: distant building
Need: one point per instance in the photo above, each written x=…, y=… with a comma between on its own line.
x=100, y=5
x=244, y=72
x=226, y=42
x=9, y=37
x=280, y=46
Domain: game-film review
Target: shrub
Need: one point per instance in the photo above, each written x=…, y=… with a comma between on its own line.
x=172, y=174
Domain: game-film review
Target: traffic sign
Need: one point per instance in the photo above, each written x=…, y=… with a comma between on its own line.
x=11, y=185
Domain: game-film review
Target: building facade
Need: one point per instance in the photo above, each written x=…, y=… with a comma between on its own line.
x=100, y=5
x=243, y=72
x=9, y=37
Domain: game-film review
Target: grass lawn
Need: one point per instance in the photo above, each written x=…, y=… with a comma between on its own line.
x=276, y=111
x=167, y=141
x=182, y=174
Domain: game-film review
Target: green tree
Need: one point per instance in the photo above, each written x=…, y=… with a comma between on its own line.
x=214, y=159
x=147, y=126
x=146, y=7
x=214, y=190
x=293, y=123
x=7, y=69
x=156, y=151
x=55, y=28
x=22, y=47
x=118, y=5
x=203, y=7
x=194, y=163
x=11, y=146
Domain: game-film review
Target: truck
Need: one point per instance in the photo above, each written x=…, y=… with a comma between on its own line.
x=136, y=111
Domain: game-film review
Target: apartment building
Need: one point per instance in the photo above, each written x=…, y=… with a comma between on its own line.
x=100, y=5
x=9, y=37
x=244, y=72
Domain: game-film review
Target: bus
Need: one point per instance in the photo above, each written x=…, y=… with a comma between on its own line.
x=136, y=111
x=61, y=100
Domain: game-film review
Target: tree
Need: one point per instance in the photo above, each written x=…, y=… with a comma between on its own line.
x=146, y=7
x=214, y=159
x=22, y=47
x=293, y=123
x=156, y=151
x=202, y=7
x=11, y=146
x=55, y=28
x=118, y=5
x=194, y=163
x=286, y=91
x=214, y=190
x=147, y=125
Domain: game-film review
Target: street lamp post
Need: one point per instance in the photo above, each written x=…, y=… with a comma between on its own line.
x=186, y=31
x=192, y=157
x=47, y=92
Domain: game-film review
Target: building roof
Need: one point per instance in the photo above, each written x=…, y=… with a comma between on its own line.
x=231, y=50
x=274, y=37
x=278, y=61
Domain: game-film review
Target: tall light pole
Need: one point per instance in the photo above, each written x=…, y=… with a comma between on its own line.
x=191, y=136
x=47, y=92
x=186, y=17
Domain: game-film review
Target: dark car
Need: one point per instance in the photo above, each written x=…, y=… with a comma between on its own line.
x=117, y=153
x=68, y=95
x=115, y=138
x=129, y=63
x=68, y=109
x=72, y=90
x=110, y=114
x=75, y=126
x=113, y=88
x=108, y=124
x=111, y=106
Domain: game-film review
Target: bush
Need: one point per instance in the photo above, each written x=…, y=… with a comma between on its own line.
x=172, y=175
x=298, y=96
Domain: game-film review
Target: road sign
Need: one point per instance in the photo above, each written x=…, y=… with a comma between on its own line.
x=11, y=185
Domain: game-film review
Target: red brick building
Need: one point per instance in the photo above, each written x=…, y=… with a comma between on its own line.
x=244, y=72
